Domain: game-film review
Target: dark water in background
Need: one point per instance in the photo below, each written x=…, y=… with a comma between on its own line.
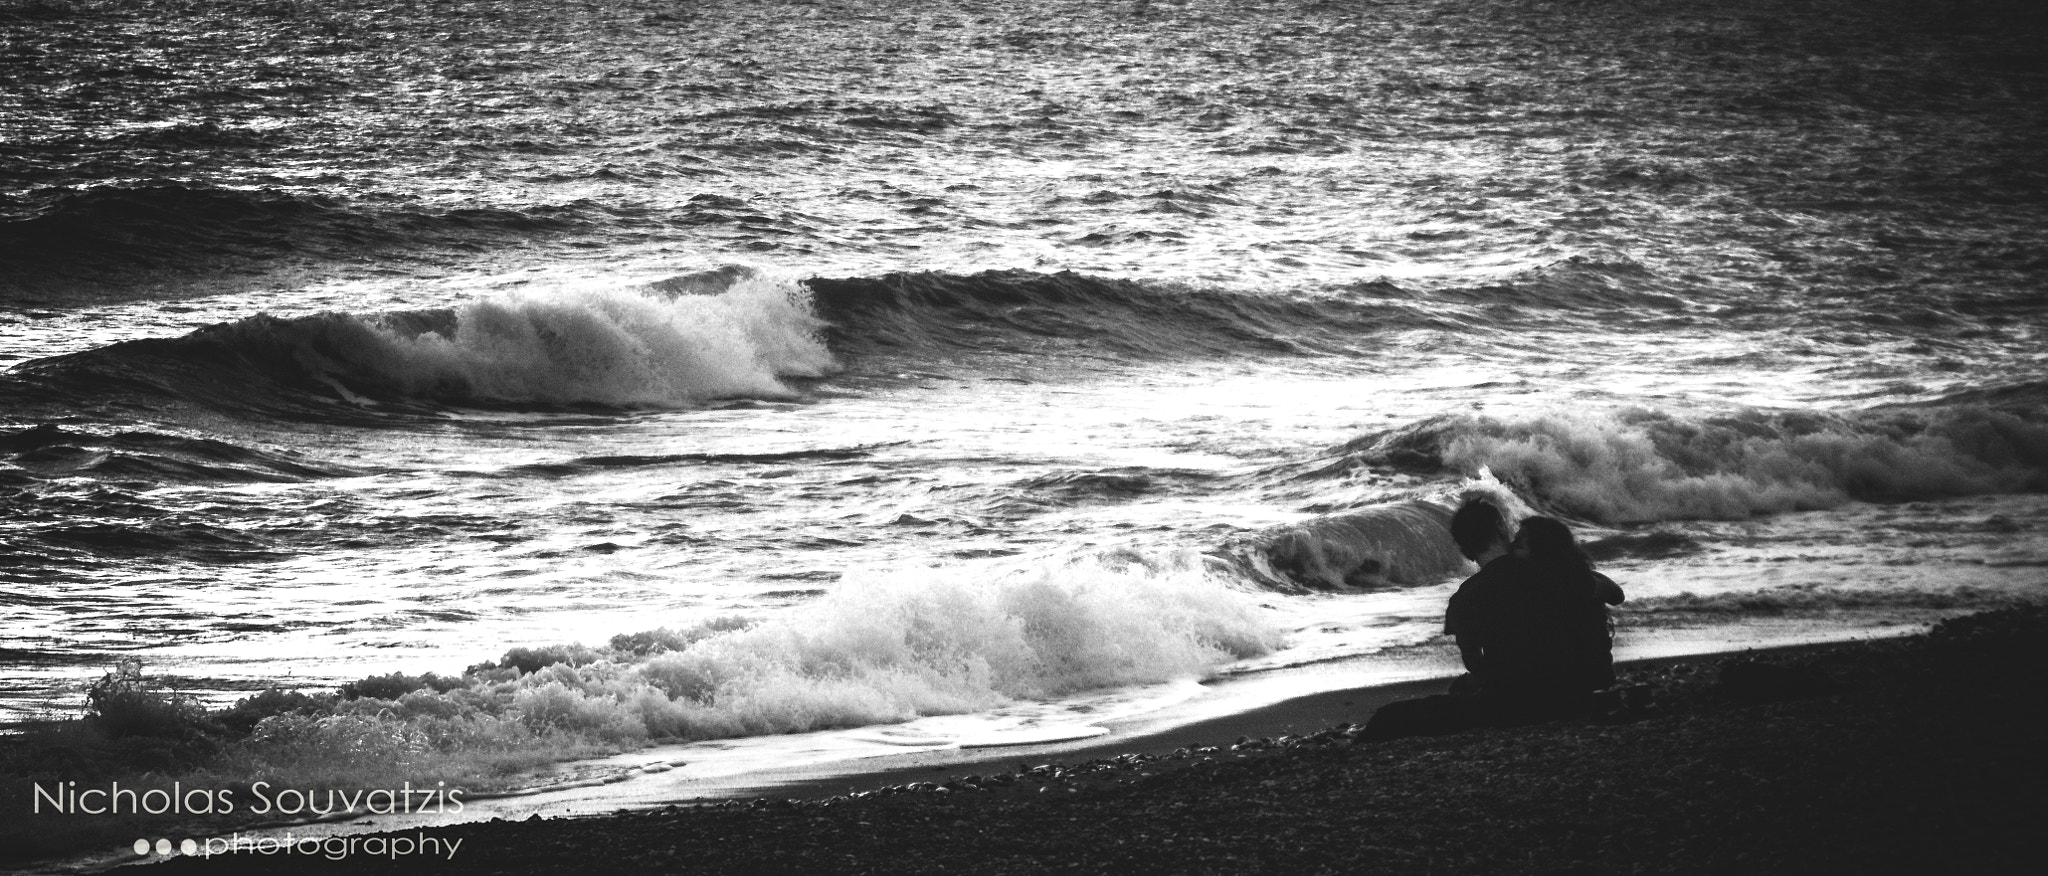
x=353, y=337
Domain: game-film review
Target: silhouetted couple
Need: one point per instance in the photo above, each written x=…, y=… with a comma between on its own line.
x=1531, y=627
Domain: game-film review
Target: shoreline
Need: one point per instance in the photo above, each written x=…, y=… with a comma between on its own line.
x=1897, y=755
x=1215, y=721
x=1146, y=742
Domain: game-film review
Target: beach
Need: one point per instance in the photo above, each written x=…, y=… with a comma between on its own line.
x=1896, y=756
x=636, y=404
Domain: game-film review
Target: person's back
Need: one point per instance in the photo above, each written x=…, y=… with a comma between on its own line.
x=1538, y=619
x=1546, y=635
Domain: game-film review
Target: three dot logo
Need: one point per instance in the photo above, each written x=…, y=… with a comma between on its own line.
x=163, y=847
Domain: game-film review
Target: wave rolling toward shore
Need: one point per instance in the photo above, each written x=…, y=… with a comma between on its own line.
x=903, y=357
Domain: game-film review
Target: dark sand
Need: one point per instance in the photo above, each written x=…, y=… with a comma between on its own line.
x=1911, y=755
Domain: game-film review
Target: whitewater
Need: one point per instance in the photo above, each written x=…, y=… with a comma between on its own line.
x=711, y=371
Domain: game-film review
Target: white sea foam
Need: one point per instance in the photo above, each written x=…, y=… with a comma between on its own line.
x=612, y=345
x=889, y=649
x=1636, y=465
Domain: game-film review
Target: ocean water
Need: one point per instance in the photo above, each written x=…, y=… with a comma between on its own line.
x=976, y=358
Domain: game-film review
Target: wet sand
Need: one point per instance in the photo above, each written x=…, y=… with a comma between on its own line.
x=1915, y=754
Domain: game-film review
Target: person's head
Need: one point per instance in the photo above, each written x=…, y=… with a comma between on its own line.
x=1479, y=529
x=1545, y=538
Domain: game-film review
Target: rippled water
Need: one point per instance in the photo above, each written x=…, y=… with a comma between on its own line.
x=581, y=320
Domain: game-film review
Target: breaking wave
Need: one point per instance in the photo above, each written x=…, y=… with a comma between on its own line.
x=1636, y=465
x=877, y=651
x=1401, y=543
x=598, y=345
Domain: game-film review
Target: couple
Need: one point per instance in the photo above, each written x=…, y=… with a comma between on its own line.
x=1532, y=625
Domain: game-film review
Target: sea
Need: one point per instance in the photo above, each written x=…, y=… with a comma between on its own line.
x=1007, y=364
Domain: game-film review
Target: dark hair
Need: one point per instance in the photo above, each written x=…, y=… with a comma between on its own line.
x=1549, y=540
x=1478, y=525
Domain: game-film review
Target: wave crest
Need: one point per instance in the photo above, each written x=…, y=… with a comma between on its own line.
x=1637, y=465
x=600, y=345
x=611, y=346
x=1405, y=543
x=888, y=650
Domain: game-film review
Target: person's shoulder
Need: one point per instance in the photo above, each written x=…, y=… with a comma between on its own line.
x=1609, y=591
x=1507, y=566
x=1495, y=572
x=1504, y=564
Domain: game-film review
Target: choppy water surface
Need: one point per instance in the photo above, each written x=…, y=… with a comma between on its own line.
x=348, y=339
